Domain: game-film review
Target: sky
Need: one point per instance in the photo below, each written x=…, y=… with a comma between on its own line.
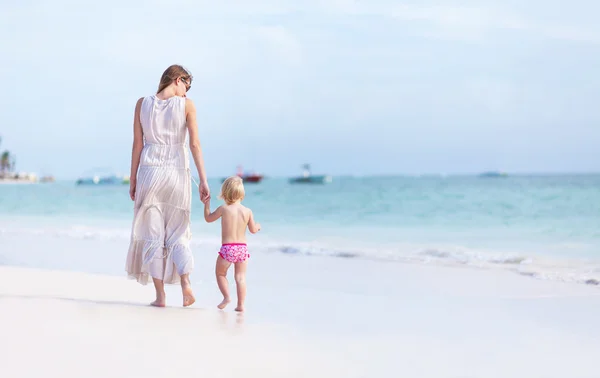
x=353, y=87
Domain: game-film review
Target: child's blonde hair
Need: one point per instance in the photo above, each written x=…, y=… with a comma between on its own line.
x=232, y=190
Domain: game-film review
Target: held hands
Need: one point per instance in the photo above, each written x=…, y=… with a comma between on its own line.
x=204, y=192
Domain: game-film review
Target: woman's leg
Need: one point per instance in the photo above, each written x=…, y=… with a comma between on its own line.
x=161, y=298
x=186, y=289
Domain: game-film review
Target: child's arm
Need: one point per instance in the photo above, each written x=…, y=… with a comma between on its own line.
x=253, y=226
x=211, y=217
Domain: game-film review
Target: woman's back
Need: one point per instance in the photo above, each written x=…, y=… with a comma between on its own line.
x=163, y=121
x=164, y=128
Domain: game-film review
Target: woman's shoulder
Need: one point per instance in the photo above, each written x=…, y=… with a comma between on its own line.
x=138, y=104
x=143, y=99
x=189, y=105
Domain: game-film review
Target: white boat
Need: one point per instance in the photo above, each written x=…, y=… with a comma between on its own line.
x=103, y=180
x=308, y=178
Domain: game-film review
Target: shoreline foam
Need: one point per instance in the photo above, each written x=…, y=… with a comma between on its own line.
x=526, y=263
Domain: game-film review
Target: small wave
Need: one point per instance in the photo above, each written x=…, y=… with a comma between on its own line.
x=575, y=271
x=564, y=270
x=308, y=251
x=469, y=257
x=450, y=255
x=74, y=232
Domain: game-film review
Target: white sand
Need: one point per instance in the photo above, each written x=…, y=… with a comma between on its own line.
x=307, y=317
x=60, y=324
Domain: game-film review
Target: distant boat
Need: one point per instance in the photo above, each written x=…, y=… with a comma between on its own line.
x=493, y=174
x=308, y=178
x=103, y=180
x=249, y=178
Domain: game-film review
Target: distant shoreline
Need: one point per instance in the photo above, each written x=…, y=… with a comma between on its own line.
x=16, y=181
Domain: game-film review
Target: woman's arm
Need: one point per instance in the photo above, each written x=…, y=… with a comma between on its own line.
x=192, y=126
x=136, y=149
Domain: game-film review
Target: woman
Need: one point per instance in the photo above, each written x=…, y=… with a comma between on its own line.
x=161, y=188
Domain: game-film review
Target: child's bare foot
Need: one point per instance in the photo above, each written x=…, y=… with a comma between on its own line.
x=224, y=303
x=188, y=296
x=239, y=308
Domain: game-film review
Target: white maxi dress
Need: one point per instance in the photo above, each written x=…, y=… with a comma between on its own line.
x=160, y=234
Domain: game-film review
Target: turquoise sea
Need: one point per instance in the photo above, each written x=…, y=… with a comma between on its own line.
x=547, y=227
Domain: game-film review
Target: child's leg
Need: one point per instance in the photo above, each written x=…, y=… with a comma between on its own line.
x=221, y=272
x=240, y=284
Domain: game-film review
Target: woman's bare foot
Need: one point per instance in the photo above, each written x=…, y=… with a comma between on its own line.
x=239, y=308
x=188, y=295
x=159, y=302
x=224, y=303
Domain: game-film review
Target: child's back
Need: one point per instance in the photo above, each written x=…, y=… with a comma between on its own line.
x=234, y=220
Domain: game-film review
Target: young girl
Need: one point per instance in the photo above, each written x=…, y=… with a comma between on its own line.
x=234, y=219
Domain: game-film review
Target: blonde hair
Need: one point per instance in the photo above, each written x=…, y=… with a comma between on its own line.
x=232, y=190
x=173, y=73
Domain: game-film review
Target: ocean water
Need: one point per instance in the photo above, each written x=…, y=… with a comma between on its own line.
x=546, y=227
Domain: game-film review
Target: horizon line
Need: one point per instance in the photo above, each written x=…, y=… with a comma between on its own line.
x=411, y=175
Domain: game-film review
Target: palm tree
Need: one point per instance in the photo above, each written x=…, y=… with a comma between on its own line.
x=5, y=162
